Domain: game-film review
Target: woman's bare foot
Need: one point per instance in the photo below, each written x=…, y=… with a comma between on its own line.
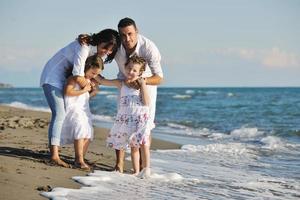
x=59, y=162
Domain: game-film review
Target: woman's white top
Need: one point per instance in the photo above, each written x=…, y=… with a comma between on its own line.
x=73, y=55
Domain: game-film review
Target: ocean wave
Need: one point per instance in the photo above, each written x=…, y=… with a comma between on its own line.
x=183, y=130
x=229, y=148
x=190, y=92
x=277, y=144
x=18, y=104
x=177, y=126
x=230, y=94
x=246, y=133
x=103, y=118
x=106, y=92
x=180, y=96
x=112, y=96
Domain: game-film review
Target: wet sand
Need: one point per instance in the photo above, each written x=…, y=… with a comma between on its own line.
x=24, y=167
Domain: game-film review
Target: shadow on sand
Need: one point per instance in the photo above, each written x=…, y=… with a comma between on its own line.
x=43, y=156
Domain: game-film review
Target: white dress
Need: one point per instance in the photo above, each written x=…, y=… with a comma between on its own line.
x=131, y=127
x=78, y=120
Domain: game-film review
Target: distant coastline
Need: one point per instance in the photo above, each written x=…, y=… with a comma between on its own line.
x=5, y=85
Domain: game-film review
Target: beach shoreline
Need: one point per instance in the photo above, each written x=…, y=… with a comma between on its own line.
x=24, y=167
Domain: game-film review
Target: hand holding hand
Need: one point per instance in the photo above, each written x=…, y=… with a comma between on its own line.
x=134, y=84
x=141, y=81
x=87, y=88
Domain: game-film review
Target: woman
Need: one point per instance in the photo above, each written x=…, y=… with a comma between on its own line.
x=53, y=78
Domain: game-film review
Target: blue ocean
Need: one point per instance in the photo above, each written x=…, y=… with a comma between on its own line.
x=237, y=143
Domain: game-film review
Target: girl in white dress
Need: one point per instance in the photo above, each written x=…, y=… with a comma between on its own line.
x=131, y=127
x=77, y=126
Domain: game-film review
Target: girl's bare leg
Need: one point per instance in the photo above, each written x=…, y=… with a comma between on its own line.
x=86, y=143
x=145, y=149
x=120, y=156
x=135, y=159
x=79, y=159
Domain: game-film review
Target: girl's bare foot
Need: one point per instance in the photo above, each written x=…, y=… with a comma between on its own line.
x=135, y=174
x=82, y=166
x=145, y=173
x=119, y=168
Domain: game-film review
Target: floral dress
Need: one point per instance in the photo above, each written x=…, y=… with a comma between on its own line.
x=131, y=127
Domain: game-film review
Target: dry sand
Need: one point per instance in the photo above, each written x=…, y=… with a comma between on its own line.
x=24, y=166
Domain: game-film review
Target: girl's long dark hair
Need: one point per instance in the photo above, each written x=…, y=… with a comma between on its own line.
x=110, y=37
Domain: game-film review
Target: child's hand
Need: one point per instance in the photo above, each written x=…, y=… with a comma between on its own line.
x=94, y=83
x=87, y=88
x=141, y=81
x=134, y=84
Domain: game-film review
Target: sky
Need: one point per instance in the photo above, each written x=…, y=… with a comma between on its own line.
x=212, y=43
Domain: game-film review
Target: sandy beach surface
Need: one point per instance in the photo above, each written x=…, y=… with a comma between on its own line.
x=24, y=167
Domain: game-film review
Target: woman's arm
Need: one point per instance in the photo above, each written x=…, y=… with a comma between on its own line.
x=79, y=59
x=144, y=91
x=81, y=80
x=71, y=90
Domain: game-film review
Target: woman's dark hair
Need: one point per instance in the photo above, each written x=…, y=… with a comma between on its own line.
x=110, y=37
x=126, y=22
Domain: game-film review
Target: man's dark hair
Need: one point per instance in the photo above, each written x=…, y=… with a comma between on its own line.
x=126, y=22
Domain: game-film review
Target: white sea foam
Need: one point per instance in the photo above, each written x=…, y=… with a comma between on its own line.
x=106, y=92
x=182, y=96
x=272, y=143
x=246, y=133
x=213, y=171
x=103, y=118
x=177, y=126
x=229, y=148
x=230, y=94
x=112, y=96
x=190, y=92
x=17, y=104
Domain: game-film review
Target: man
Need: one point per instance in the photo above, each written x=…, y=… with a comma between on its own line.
x=134, y=43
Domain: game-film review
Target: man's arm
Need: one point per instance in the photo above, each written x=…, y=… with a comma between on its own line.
x=144, y=91
x=154, y=80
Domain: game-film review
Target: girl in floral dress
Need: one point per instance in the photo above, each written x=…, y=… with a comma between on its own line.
x=131, y=126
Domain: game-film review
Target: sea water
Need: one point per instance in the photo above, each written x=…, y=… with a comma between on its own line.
x=237, y=143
